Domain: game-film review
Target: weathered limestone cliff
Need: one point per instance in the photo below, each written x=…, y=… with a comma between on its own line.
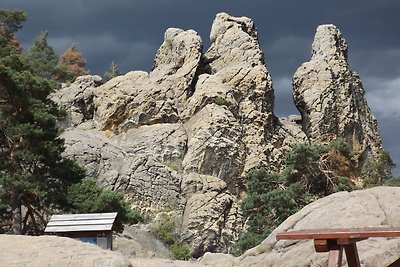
x=182, y=137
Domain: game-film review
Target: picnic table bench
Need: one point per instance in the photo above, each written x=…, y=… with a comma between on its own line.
x=335, y=240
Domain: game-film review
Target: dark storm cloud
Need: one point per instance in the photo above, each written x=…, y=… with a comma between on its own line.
x=130, y=32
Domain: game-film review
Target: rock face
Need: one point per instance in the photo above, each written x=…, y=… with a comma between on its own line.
x=77, y=99
x=52, y=251
x=331, y=98
x=376, y=207
x=182, y=137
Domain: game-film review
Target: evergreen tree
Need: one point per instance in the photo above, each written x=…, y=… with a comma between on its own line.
x=114, y=72
x=311, y=172
x=71, y=65
x=10, y=22
x=377, y=171
x=42, y=57
x=33, y=173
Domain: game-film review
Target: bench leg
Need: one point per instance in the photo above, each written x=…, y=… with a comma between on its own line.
x=335, y=256
x=352, y=255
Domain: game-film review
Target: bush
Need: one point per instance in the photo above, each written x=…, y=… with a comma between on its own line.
x=180, y=251
x=247, y=240
x=164, y=228
x=220, y=101
x=89, y=197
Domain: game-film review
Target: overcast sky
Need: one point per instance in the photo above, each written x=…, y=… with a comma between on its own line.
x=131, y=31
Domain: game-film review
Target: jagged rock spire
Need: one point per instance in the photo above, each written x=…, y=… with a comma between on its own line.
x=331, y=98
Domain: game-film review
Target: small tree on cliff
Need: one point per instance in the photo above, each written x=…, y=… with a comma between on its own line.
x=71, y=65
x=113, y=72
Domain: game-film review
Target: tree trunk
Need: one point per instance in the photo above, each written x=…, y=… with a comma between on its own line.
x=16, y=213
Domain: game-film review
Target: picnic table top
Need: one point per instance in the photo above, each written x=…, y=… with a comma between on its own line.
x=338, y=233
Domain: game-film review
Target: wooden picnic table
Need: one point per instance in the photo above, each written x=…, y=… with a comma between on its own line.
x=335, y=240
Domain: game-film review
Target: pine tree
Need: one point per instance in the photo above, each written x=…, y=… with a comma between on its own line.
x=311, y=171
x=33, y=173
x=378, y=170
x=42, y=57
x=71, y=65
x=10, y=22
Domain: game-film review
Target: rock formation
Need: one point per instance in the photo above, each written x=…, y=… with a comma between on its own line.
x=331, y=98
x=52, y=251
x=182, y=137
x=376, y=207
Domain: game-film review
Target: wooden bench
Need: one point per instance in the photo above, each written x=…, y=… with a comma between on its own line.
x=335, y=240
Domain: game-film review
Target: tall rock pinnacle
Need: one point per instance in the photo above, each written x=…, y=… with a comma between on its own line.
x=331, y=98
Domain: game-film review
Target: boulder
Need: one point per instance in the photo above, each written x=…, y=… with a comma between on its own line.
x=52, y=251
x=138, y=242
x=375, y=207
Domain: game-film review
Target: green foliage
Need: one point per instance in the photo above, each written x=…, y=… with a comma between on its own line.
x=220, y=101
x=113, y=72
x=248, y=240
x=341, y=145
x=33, y=172
x=180, y=251
x=11, y=20
x=169, y=43
x=164, y=228
x=312, y=171
x=267, y=204
x=377, y=171
x=89, y=197
x=175, y=164
x=320, y=168
x=42, y=57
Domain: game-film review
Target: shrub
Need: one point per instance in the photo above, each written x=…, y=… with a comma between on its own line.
x=180, y=251
x=89, y=197
x=164, y=228
x=220, y=101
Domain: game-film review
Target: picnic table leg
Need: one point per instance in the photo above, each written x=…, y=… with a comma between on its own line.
x=335, y=255
x=352, y=255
